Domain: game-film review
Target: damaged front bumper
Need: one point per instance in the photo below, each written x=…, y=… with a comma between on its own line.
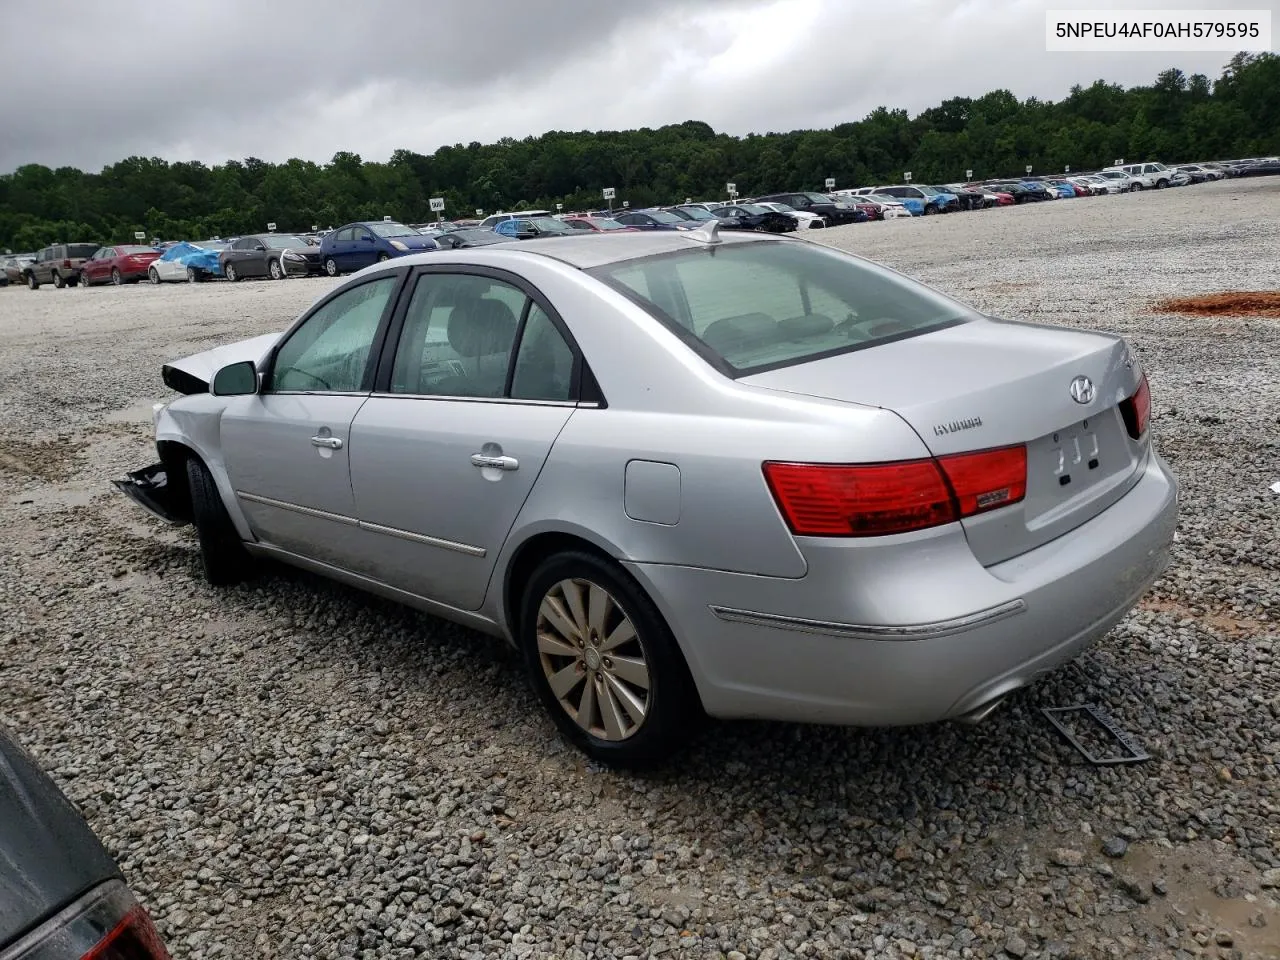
x=149, y=488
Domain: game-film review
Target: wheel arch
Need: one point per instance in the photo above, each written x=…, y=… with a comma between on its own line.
x=175, y=447
x=524, y=558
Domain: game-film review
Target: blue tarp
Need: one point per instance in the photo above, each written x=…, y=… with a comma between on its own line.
x=190, y=255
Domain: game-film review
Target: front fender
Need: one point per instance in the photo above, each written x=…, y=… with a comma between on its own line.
x=195, y=422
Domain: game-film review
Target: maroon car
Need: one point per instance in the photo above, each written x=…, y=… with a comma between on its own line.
x=126, y=263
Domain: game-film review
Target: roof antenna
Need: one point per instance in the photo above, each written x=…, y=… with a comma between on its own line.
x=708, y=233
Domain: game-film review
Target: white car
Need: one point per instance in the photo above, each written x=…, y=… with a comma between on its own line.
x=890, y=208
x=1127, y=182
x=1152, y=176
x=180, y=269
x=804, y=219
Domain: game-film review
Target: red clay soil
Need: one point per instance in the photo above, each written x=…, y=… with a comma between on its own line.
x=1235, y=303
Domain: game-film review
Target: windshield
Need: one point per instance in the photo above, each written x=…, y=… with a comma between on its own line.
x=818, y=197
x=604, y=223
x=754, y=208
x=695, y=213
x=392, y=229
x=211, y=244
x=277, y=242
x=760, y=305
x=786, y=207
x=549, y=225
x=662, y=216
x=928, y=191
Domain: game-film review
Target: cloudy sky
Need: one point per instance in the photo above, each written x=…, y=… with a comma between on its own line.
x=208, y=81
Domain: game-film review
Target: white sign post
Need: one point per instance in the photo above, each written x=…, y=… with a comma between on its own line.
x=831, y=183
x=479, y=211
x=437, y=207
x=1028, y=169
x=906, y=175
x=559, y=207
x=315, y=227
x=731, y=189
x=609, y=194
x=1120, y=161
x=968, y=174
x=271, y=227
x=386, y=219
x=139, y=235
x=626, y=204
x=1068, y=168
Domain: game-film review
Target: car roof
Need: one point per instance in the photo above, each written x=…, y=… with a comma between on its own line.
x=590, y=250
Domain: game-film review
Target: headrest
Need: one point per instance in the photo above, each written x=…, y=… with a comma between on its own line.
x=733, y=333
x=478, y=326
x=807, y=325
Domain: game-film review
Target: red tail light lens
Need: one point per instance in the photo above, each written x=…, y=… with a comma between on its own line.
x=133, y=938
x=876, y=499
x=66, y=263
x=987, y=480
x=1136, y=410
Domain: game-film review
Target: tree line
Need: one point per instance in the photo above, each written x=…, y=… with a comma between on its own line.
x=1178, y=118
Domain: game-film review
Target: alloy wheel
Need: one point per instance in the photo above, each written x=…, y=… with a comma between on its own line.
x=593, y=660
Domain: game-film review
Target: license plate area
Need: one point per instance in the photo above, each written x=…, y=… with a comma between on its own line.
x=1069, y=468
x=1073, y=453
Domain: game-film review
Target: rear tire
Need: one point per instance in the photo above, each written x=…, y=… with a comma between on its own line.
x=84, y=280
x=115, y=277
x=193, y=275
x=656, y=676
x=331, y=267
x=223, y=556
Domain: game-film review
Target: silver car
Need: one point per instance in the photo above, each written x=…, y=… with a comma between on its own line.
x=687, y=473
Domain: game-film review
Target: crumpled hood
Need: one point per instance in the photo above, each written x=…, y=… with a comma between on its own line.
x=48, y=854
x=194, y=373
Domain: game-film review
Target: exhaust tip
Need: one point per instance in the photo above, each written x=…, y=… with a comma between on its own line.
x=978, y=714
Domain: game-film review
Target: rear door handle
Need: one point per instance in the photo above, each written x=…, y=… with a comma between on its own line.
x=501, y=463
x=333, y=443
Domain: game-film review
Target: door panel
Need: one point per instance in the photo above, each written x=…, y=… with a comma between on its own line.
x=294, y=490
x=442, y=517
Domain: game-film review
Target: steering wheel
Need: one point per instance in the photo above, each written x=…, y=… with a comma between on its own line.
x=320, y=380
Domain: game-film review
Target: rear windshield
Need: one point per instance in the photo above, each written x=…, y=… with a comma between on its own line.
x=82, y=249
x=749, y=307
x=125, y=251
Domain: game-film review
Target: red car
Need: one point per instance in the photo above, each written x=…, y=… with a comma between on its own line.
x=597, y=224
x=126, y=263
x=1002, y=199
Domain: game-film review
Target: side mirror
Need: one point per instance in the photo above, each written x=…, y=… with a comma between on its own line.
x=366, y=238
x=235, y=380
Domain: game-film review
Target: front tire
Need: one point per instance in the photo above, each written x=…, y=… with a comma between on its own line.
x=383, y=258
x=331, y=267
x=58, y=281
x=230, y=271
x=153, y=276
x=223, y=556
x=604, y=662
x=32, y=282
x=276, y=269
x=115, y=277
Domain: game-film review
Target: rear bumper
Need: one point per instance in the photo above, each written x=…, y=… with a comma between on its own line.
x=917, y=631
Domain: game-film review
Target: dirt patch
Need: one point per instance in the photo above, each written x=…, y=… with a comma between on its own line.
x=1235, y=303
x=50, y=460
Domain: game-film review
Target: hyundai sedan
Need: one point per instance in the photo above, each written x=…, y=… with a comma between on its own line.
x=687, y=473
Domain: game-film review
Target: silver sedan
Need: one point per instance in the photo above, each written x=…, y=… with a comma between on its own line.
x=687, y=474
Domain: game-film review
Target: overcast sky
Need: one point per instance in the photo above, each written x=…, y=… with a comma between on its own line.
x=205, y=81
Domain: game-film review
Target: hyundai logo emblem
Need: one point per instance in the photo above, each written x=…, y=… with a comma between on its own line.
x=1082, y=390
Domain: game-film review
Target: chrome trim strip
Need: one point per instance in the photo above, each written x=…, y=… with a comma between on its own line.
x=423, y=539
x=296, y=508
x=465, y=548
x=906, y=631
x=501, y=400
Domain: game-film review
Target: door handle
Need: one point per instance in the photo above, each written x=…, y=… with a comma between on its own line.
x=333, y=443
x=501, y=463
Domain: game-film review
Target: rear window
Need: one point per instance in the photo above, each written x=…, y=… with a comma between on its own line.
x=125, y=251
x=750, y=307
x=75, y=250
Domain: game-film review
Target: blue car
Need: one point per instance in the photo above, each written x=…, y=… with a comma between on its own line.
x=914, y=205
x=192, y=262
x=358, y=245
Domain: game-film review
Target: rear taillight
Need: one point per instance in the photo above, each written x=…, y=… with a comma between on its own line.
x=66, y=263
x=105, y=924
x=1136, y=409
x=875, y=499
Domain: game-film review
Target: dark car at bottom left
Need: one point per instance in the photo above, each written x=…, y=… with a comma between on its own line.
x=62, y=897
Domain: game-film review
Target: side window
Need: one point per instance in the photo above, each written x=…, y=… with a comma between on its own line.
x=457, y=338
x=346, y=235
x=544, y=362
x=330, y=351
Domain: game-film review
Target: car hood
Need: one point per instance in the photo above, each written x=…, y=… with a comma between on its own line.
x=417, y=243
x=48, y=854
x=193, y=374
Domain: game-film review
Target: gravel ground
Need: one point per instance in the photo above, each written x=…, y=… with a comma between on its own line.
x=291, y=769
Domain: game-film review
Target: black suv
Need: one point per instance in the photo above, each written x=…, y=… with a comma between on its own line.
x=819, y=203
x=59, y=264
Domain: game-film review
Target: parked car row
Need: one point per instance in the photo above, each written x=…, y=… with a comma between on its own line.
x=354, y=246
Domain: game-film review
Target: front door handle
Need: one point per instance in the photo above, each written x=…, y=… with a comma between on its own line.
x=501, y=463
x=333, y=443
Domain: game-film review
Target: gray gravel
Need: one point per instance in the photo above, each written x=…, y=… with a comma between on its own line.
x=291, y=769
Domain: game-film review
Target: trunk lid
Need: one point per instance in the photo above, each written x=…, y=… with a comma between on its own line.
x=993, y=383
